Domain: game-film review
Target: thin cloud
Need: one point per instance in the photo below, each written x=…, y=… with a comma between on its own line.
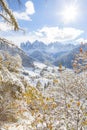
x=52, y=34
x=22, y=16
x=49, y=34
x=29, y=10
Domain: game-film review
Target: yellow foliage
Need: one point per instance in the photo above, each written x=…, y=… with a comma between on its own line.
x=35, y=100
x=78, y=103
x=54, y=105
x=55, y=81
x=72, y=129
x=45, y=107
x=50, y=126
x=85, y=114
x=49, y=99
x=71, y=100
x=84, y=123
x=68, y=105
x=60, y=66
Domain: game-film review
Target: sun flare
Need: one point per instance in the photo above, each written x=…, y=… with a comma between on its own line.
x=69, y=13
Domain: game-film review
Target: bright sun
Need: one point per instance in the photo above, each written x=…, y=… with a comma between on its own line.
x=69, y=14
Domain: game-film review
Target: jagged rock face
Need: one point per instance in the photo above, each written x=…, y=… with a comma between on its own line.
x=6, y=46
x=48, y=54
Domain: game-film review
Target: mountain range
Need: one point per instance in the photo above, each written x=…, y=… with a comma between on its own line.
x=53, y=53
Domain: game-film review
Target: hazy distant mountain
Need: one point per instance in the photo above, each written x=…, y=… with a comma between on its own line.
x=67, y=59
x=49, y=54
x=50, y=48
x=37, y=45
x=42, y=57
x=38, y=56
x=26, y=46
x=57, y=47
x=8, y=47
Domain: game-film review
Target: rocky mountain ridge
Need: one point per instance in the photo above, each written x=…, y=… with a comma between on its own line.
x=48, y=54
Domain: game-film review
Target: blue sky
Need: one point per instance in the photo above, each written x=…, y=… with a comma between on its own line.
x=48, y=21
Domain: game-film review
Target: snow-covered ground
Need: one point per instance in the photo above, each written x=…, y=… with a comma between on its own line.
x=59, y=89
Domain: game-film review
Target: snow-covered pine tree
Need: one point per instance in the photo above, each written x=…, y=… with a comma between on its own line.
x=80, y=61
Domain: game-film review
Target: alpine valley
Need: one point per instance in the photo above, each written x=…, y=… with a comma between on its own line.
x=37, y=95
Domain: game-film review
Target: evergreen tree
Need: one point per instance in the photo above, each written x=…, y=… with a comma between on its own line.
x=80, y=61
